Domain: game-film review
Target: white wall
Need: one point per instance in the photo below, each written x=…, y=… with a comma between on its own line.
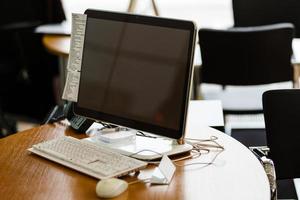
x=206, y=13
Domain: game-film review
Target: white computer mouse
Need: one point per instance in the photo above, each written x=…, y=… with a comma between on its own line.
x=109, y=188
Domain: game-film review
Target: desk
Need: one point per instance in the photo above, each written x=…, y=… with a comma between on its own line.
x=236, y=174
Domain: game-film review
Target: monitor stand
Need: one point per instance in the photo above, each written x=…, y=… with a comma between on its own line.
x=141, y=147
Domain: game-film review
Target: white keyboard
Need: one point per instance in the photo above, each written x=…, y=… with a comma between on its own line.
x=87, y=158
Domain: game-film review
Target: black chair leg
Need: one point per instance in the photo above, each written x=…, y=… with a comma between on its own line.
x=286, y=189
x=7, y=127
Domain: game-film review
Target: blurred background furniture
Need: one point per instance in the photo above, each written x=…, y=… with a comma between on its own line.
x=59, y=46
x=239, y=64
x=245, y=57
x=27, y=71
x=257, y=12
x=282, y=114
x=13, y=70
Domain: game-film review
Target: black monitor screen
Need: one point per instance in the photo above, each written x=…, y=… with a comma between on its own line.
x=135, y=74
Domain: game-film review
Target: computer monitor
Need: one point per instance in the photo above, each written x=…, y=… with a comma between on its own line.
x=136, y=71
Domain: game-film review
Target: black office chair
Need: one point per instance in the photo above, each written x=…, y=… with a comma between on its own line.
x=250, y=56
x=26, y=69
x=282, y=115
x=23, y=96
x=258, y=12
x=12, y=69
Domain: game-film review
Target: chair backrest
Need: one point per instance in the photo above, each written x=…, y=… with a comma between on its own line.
x=45, y=11
x=22, y=61
x=282, y=120
x=246, y=56
x=263, y=12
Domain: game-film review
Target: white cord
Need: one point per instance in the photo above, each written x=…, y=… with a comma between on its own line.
x=199, y=147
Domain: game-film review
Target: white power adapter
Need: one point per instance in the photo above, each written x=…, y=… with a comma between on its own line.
x=117, y=137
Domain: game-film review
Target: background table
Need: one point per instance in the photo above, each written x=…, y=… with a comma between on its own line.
x=235, y=175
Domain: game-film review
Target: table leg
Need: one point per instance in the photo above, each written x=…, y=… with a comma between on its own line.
x=196, y=82
x=155, y=8
x=296, y=68
x=132, y=5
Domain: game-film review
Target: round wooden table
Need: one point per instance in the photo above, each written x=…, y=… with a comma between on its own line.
x=235, y=175
x=57, y=44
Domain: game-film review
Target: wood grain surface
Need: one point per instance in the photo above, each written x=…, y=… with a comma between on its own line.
x=57, y=44
x=26, y=176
